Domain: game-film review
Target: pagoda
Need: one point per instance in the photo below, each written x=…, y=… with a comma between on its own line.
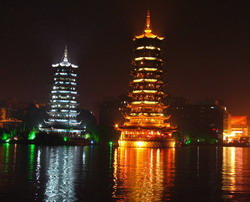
x=146, y=124
x=63, y=104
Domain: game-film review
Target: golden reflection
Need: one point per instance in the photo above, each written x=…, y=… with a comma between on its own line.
x=228, y=169
x=143, y=174
x=235, y=171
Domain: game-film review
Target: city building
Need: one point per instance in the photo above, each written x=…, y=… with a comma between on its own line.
x=111, y=113
x=203, y=122
x=237, y=130
x=11, y=113
x=8, y=122
x=63, y=103
x=145, y=124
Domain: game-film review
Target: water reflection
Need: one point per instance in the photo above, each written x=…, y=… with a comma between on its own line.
x=129, y=174
x=31, y=158
x=6, y=155
x=235, y=171
x=228, y=169
x=61, y=174
x=142, y=174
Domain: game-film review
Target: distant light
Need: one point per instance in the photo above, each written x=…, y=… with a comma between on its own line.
x=92, y=142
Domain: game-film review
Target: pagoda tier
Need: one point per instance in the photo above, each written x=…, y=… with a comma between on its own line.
x=63, y=104
x=146, y=122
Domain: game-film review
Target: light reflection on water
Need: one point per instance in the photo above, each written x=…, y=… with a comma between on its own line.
x=142, y=174
x=235, y=171
x=60, y=173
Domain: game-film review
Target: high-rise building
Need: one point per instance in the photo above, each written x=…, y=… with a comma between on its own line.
x=145, y=124
x=202, y=123
x=63, y=103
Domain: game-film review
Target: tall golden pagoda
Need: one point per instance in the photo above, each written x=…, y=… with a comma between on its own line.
x=145, y=124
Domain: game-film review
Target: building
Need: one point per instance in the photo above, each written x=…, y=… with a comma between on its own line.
x=11, y=113
x=201, y=122
x=145, y=124
x=8, y=122
x=110, y=114
x=237, y=130
x=63, y=103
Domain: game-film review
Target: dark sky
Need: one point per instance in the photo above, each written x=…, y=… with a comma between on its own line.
x=206, y=49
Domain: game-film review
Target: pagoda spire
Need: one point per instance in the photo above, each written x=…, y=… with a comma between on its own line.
x=148, y=25
x=148, y=30
x=66, y=54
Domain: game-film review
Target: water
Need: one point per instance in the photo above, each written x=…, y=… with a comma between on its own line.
x=73, y=173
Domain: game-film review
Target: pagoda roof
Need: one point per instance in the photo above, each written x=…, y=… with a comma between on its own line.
x=165, y=117
x=148, y=31
x=147, y=104
x=65, y=62
x=143, y=127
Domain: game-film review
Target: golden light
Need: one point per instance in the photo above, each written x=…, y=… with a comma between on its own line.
x=145, y=124
x=140, y=144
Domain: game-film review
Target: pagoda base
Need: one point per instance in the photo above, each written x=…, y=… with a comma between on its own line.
x=147, y=143
x=61, y=131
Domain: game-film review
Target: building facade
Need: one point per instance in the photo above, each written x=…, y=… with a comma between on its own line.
x=237, y=130
x=203, y=122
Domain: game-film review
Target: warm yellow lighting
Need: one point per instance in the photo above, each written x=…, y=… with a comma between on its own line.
x=150, y=58
x=156, y=114
x=137, y=91
x=150, y=102
x=136, y=102
x=145, y=91
x=148, y=69
x=150, y=80
x=139, y=58
x=146, y=58
x=137, y=80
x=150, y=91
x=147, y=80
x=147, y=144
x=147, y=47
x=140, y=144
x=150, y=47
x=144, y=102
x=139, y=48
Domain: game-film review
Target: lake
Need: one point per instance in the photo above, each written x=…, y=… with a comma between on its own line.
x=94, y=173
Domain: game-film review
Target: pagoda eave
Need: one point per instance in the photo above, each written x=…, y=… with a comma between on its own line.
x=148, y=36
x=143, y=128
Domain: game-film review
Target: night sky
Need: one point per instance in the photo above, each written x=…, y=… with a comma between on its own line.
x=206, y=49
